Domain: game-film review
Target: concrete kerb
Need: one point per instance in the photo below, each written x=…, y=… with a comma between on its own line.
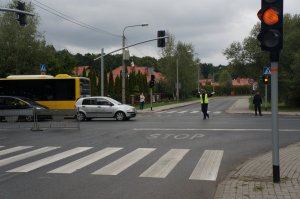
x=253, y=179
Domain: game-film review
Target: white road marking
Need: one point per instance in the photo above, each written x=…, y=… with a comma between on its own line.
x=26, y=155
x=165, y=164
x=182, y=112
x=85, y=161
x=171, y=112
x=169, y=129
x=123, y=163
x=194, y=112
x=14, y=149
x=208, y=166
x=49, y=160
x=217, y=112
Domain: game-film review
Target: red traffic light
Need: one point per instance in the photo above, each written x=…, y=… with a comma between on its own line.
x=270, y=16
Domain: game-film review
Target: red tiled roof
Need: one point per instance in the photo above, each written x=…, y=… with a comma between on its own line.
x=235, y=82
x=142, y=69
x=78, y=70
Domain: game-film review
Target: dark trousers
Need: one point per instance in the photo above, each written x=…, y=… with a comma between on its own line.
x=204, y=108
x=142, y=105
x=257, y=107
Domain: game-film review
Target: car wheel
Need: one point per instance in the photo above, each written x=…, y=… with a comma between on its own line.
x=80, y=116
x=120, y=116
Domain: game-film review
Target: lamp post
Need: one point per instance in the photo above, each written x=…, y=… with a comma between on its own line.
x=177, y=83
x=123, y=60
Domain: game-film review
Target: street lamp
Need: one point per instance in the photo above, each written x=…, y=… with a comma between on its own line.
x=123, y=60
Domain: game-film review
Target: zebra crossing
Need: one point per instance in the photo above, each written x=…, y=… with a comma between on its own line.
x=186, y=111
x=206, y=169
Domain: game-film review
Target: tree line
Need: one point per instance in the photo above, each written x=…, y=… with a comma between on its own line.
x=23, y=49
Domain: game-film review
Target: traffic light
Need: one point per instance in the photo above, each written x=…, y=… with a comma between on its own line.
x=266, y=79
x=271, y=16
x=161, y=42
x=152, y=81
x=21, y=16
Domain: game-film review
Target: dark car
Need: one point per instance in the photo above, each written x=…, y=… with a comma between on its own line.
x=20, y=105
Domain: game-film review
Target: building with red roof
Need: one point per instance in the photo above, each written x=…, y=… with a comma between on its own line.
x=135, y=69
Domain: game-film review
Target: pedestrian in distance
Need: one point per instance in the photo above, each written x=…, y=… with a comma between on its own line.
x=142, y=101
x=204, y=103
x=257, y=101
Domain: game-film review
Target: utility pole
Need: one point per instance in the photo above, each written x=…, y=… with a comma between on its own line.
x=177, y=83
x=102, y=72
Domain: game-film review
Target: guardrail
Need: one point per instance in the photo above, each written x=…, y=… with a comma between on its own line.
x=38, y=119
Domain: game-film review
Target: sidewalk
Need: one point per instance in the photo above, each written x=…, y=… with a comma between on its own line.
x=242, y=106
x=254, y=178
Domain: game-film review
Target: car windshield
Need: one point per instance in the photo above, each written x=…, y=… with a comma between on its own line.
x=114, y=101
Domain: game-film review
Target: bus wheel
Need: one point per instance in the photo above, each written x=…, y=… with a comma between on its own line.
x=81, y=116
x=120, y=116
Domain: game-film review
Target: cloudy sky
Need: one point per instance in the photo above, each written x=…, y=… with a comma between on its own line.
x=209, y=25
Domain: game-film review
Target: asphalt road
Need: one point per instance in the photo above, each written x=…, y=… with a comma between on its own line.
x=168, y=154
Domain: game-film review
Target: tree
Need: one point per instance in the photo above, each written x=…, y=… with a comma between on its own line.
x=186, y=65
x=225, y=81
x=22, y=49
x=247, y=59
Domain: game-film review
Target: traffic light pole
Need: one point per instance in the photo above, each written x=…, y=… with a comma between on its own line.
x=266, y=96
x=274, y=99
x=151, y=97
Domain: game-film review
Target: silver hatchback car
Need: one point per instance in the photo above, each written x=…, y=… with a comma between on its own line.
x=103, y=107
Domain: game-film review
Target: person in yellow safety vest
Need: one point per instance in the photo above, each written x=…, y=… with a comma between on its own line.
x=204, y=103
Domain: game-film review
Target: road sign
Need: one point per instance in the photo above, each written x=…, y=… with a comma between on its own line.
x=43, y=67
x=267, y=70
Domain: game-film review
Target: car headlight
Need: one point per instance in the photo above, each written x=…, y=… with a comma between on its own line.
x=131, y=110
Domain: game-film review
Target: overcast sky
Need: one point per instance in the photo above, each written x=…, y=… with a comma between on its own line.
x=209, y=25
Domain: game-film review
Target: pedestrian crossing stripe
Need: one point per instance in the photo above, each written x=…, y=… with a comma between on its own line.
x=26, y=155
x=165, y=164
x=14, y=149
x=182, y=112
x=85, y=161
x=206, y=169
x=208, y=166
x=49, y=160
x=187, y=111
x=123, y=163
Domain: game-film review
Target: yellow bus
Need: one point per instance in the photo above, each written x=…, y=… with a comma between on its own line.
x=56, y=92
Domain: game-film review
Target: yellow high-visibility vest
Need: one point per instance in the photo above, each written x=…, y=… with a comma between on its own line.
x=205, y=99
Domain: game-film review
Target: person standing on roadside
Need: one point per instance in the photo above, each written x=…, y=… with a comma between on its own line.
x=142, y=101
x=204, y=103
x=257, y=101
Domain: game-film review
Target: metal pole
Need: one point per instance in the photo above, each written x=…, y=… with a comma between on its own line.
x=274, y=100
x=123, y=69
x=177, y=84
x=102, y=72
x=151, y=97
x=198, y=78
x=266, y=96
